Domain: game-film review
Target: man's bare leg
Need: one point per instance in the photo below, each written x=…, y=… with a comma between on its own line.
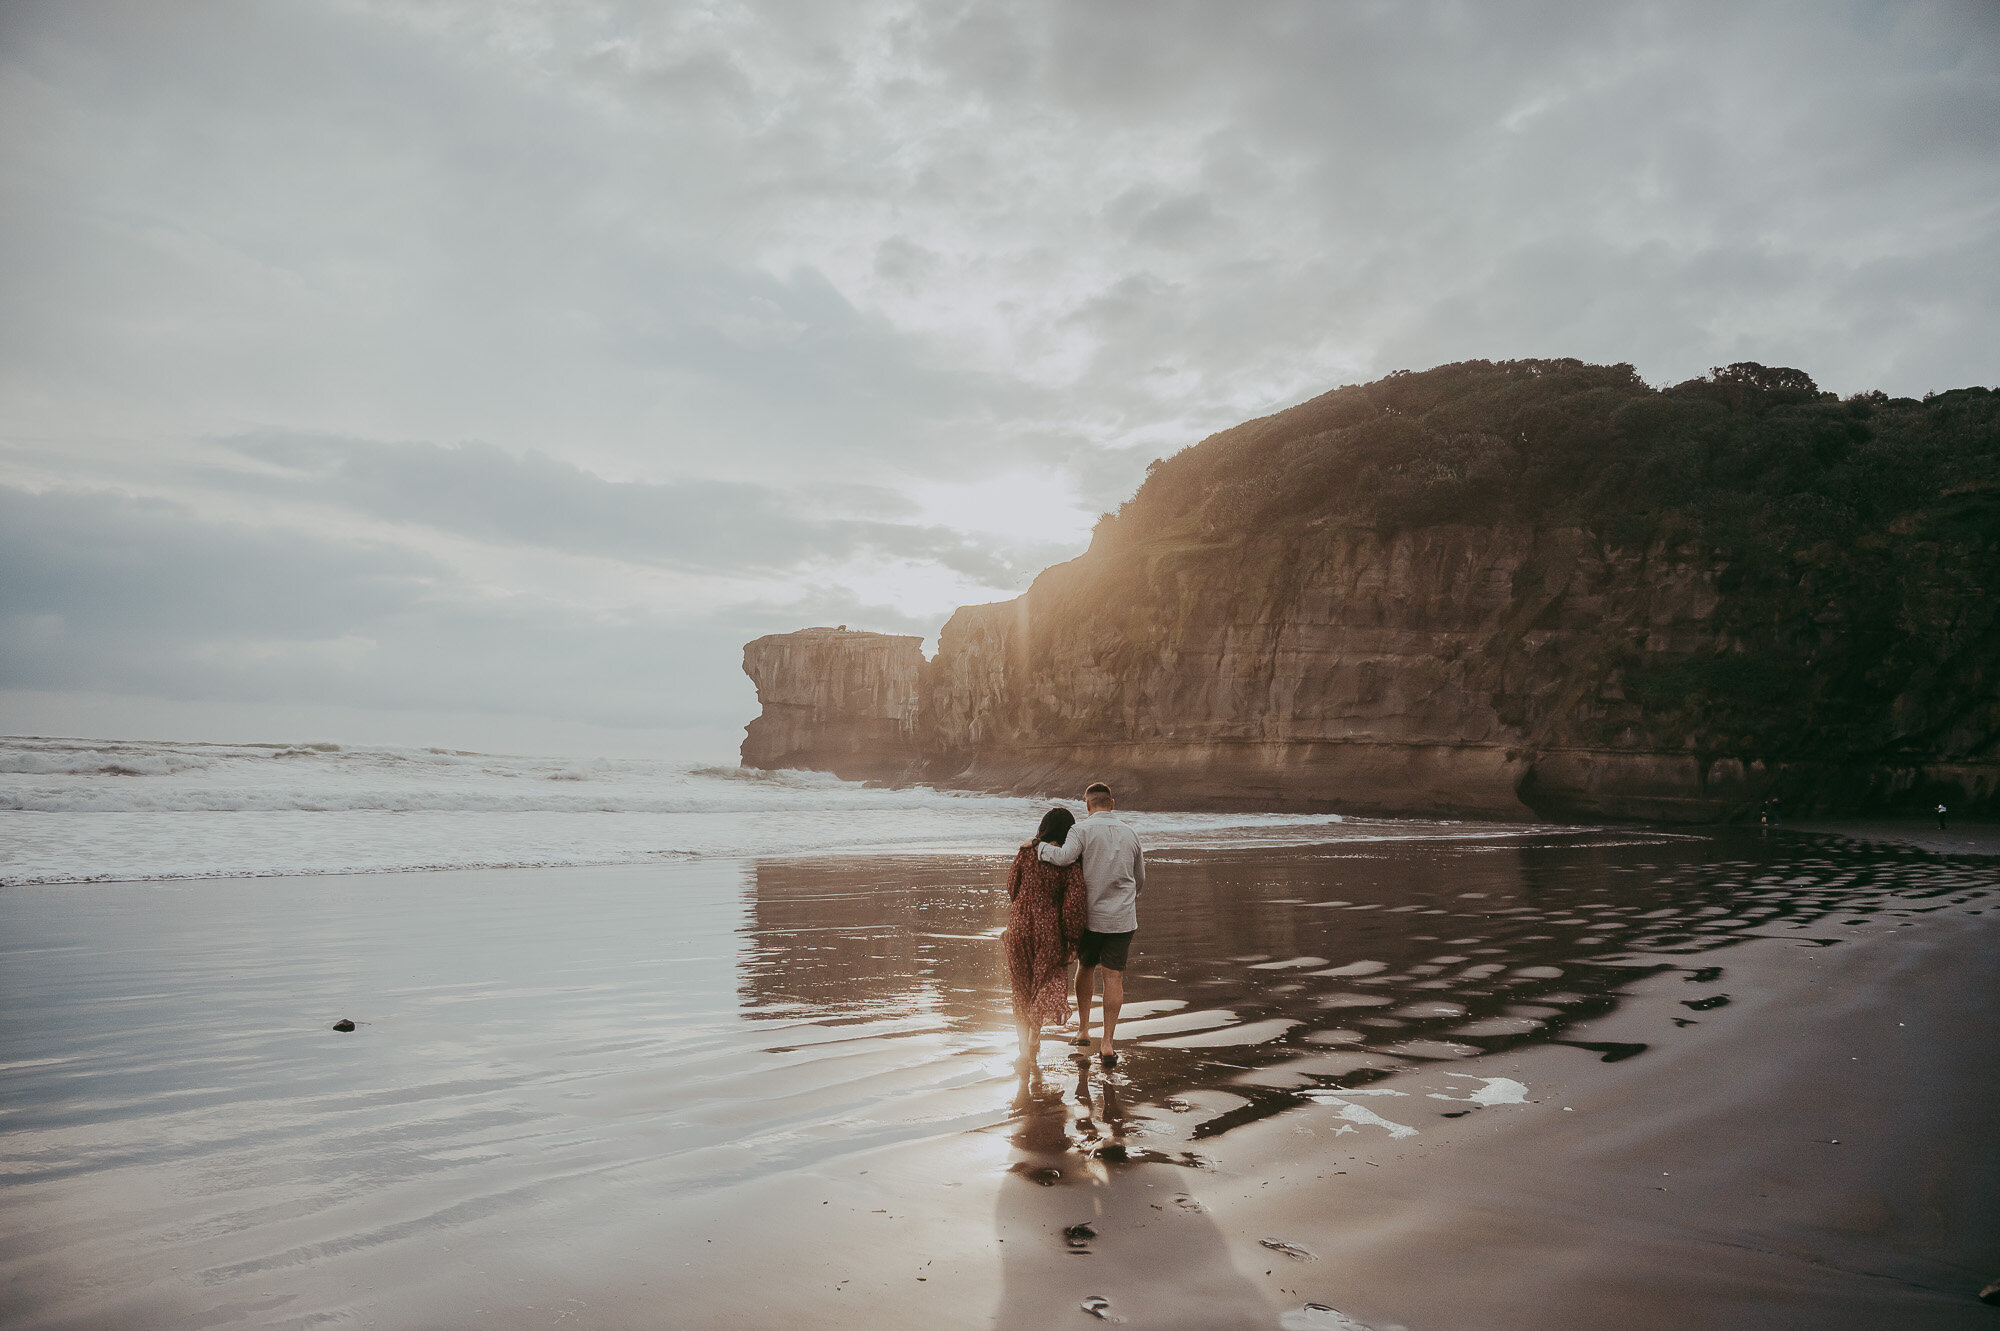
x=1114, y=999
x=1086, y=981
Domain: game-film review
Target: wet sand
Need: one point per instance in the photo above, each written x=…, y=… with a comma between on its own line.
x=1568, y=1081
x=1957, y=837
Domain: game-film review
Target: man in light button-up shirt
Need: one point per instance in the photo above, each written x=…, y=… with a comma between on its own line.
x=1114, y=870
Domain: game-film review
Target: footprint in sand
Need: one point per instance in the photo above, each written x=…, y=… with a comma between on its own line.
x=1321, y=1317
x=1291, y=1250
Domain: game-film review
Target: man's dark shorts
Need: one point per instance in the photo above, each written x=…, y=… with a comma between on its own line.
x=1107, y=950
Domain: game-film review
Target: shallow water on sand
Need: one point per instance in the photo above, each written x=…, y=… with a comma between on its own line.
x=1281, y=975
x=185, y=1136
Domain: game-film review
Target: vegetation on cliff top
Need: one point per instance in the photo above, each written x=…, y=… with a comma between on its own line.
x=1857, y=541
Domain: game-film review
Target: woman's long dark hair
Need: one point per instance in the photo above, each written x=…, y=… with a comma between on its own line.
x=1055, y=826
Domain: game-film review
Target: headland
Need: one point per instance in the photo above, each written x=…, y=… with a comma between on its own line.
x=1517, y=589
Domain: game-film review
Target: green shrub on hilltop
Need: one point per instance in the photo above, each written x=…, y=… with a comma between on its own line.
x=1856, y=541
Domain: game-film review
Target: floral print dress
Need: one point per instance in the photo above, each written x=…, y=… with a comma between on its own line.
x=1044, y=922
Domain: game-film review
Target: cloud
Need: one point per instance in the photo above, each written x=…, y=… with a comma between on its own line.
x=729, y=527
x=868, y=231
x=110, y=594
x=726, y=290
x=148, y=567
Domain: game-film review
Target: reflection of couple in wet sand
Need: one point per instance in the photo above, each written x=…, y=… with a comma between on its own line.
x=1045, y=1128
x=1077, y=1190
x=1074, y=894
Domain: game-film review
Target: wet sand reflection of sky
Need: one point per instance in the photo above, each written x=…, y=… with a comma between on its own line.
x=537, y=1050
x=1283, y=976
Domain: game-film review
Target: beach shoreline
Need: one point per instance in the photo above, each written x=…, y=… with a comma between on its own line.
x=695, y=1095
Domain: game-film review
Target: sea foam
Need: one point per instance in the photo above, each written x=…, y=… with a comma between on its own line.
x=93, y=810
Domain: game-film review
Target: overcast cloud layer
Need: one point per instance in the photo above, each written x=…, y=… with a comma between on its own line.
x=397, y=366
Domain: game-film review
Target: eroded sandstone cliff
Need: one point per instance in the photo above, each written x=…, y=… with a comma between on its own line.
x=1529, y=588
x=1359, y=672
x=836, y=701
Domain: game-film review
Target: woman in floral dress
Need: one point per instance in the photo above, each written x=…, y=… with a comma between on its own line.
x=1044, y=921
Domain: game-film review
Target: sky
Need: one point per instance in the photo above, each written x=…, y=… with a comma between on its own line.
x=485, y=375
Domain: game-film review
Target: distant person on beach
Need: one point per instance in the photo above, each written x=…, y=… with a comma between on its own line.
x=1114, y=871
x=1940, y=817
x=1045, y=922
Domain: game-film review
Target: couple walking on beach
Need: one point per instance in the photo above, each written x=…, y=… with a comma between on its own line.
x=1074, y=895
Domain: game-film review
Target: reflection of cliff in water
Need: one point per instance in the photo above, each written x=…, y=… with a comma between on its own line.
x=862, y=938
x=1273, y=974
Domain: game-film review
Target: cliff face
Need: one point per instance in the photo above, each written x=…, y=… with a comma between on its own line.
x=1536, y=588
x=1425, y=671
x=835, y=701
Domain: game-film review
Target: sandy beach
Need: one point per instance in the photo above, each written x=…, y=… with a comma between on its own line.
x=1576, y=1079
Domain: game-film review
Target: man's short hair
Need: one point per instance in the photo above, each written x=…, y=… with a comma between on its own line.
x=1094, y=790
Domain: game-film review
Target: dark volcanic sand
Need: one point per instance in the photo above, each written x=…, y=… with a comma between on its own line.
x=1553, y=1080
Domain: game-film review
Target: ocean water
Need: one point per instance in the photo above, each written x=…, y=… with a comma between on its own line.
x=101, y=810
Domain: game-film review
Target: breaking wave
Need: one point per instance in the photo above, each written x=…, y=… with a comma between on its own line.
x=94, y=810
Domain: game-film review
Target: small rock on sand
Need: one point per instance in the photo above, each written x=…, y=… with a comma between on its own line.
x=343, y=1025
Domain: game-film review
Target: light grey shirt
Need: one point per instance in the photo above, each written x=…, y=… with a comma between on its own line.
x=1114, y=869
